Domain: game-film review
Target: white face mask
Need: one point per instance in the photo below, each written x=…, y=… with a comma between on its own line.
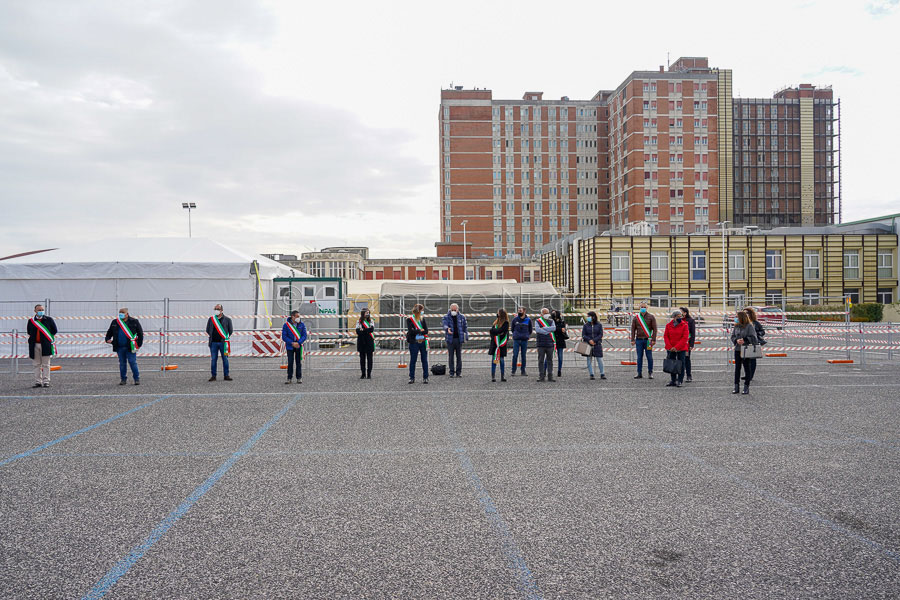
x=453, y=312
x=218, y=312
x=296, y=319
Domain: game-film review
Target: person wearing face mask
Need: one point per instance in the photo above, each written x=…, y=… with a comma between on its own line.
x=561, y=337
x=692, y=327
x=126, y=336
x=41, y=345
x=676, y=339
x=219, y=330
x=457, y=333
x=522, y=328
x=643, y=337
x=293, y=334
x=417, y=339
x=743, y=333
x=546, y=343
x=499, y=338
x=592, y=333
x=365, y=343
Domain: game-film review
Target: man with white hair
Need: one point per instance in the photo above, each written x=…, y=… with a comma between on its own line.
x=545, y=328
x=457, y=333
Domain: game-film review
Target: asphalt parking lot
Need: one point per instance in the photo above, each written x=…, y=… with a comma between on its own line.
x=342, y=488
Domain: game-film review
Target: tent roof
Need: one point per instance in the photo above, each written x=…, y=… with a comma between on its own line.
x=128, y=258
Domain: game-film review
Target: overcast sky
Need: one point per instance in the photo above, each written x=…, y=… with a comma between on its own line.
x=298, y=125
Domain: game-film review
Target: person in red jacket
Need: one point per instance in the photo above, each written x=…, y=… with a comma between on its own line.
x=676, y=339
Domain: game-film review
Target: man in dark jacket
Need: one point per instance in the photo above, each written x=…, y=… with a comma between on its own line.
x=126, y=336
x=41, y=345
x=546, y=344
x=457, y=333
x=692, y=328
x=219, y=330
x=643, y=337
x=522, y=328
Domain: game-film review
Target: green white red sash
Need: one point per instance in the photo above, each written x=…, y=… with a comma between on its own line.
x=222, y=333
x=420, y=328
x=296, y=337
x=501, y=343
x=50, y=337
x=544, y=324
x=646, y=329
x=367, y=325
x=131, y=337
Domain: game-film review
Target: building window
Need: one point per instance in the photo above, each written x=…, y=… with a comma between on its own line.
x=659, y=299
x=885, y=295
x=659, y=265
x=736, y=298
x=886, y=264
x=811, y=297
x=774, y=265
x=775, y=297
x=697, y=299
x=852, y=294
x=420, y=274
x=851, y=264
x=470, y=274
x=621, y=270
x=811, y=264
x=698, y=265
x=736, y=265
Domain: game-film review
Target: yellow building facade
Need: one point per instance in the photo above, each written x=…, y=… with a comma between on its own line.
x=760, y=268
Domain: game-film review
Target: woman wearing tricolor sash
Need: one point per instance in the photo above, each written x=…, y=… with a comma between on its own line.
x=126, y=336
x=41, y=345
x=417, y=338
x=365, y=343
x=499, y=343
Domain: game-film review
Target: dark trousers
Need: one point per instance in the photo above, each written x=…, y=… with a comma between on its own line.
x=519, y=345
x=216, y=348
x=294, y=355
x=365, y=362
x=545, y=361
x=502, y=362
x=642, y=345
x=679, y=354
x=749, y=365
x=687, y=363
x=127, y=357
x=415, y=349
x=454, y=350
x=559, y=358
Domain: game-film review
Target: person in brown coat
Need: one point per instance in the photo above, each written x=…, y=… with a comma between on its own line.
x=643, y=337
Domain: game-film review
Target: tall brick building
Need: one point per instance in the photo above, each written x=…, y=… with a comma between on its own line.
x=667, y=151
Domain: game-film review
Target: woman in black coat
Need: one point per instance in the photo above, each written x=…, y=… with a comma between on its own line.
x=365, y=343
x=592, y=333
x=692, y=331
x=417, y=338
x=561, y=336
x=499, y=343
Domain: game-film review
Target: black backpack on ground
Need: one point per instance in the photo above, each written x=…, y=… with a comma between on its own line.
x=438, y=369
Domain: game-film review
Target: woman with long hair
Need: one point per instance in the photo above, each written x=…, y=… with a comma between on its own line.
x=692, y=328
x=499, y=342
x=743, y=334
x=365, y=343
x=592, y=333
x=417, y=338
x=561, y=337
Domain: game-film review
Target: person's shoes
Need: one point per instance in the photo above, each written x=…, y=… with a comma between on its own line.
x=288, y=382
x=638, y=376
x=363, y=376
x=458, y=375
x=450, y=376
x=559, y=373
x=228, y=378
x=213, y=378
x=689, y=379
x=369, y=376
x=123, y=382
x=649, y=375
x=299, y=380
x=671, y=384
x=411, y=381
x=513, y=374
x=503, y=379
x=425, y=381
x=737, y=389
x=493, y=380
x=592, y=376
x=524, y=374
x=677, y=384
x=602, y=376
x=540, y=380
x=137, y=382
x=46, y=385
x=746, y=388
x=550, y=379
x=37, y=385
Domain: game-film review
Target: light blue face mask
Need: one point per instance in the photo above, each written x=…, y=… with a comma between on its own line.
x=643, y=310
x=40, y=313
x=122, y=316
x=736, y=321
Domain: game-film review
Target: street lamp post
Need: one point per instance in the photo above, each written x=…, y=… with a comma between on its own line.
x=724, y=264
x=465, y=263
x=189, y=206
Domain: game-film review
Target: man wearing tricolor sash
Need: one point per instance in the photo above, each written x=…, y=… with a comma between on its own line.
x=545, y=328
x=643, y=337
x=41, y=345
x=293, y=334
x=126, y=336
x=219, y=330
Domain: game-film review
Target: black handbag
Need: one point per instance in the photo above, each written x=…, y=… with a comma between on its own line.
x=438, y=369
x=673, y=366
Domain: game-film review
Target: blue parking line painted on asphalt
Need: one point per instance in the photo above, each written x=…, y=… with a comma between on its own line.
x=508, y=545
x=69, y=436
x=124, y=565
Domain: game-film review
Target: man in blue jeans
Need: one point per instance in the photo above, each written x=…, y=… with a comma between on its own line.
x=126, y=336
x=522, y=327
x=643, y=337
x=219, y=330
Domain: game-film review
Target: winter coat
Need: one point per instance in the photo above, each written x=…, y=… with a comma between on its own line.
x=497, y=334
x=412, y=331
x=677, y=335
x=365, y=337
x=447, y=321
x=131, y=323
x=545, y=335
x=35, y=335
x=692, y=326
x=744, y=332
x=760, y=333
x=287, y=336
x=593, y=332
x=637, y=332
x=522, y=327
x=561, y=334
